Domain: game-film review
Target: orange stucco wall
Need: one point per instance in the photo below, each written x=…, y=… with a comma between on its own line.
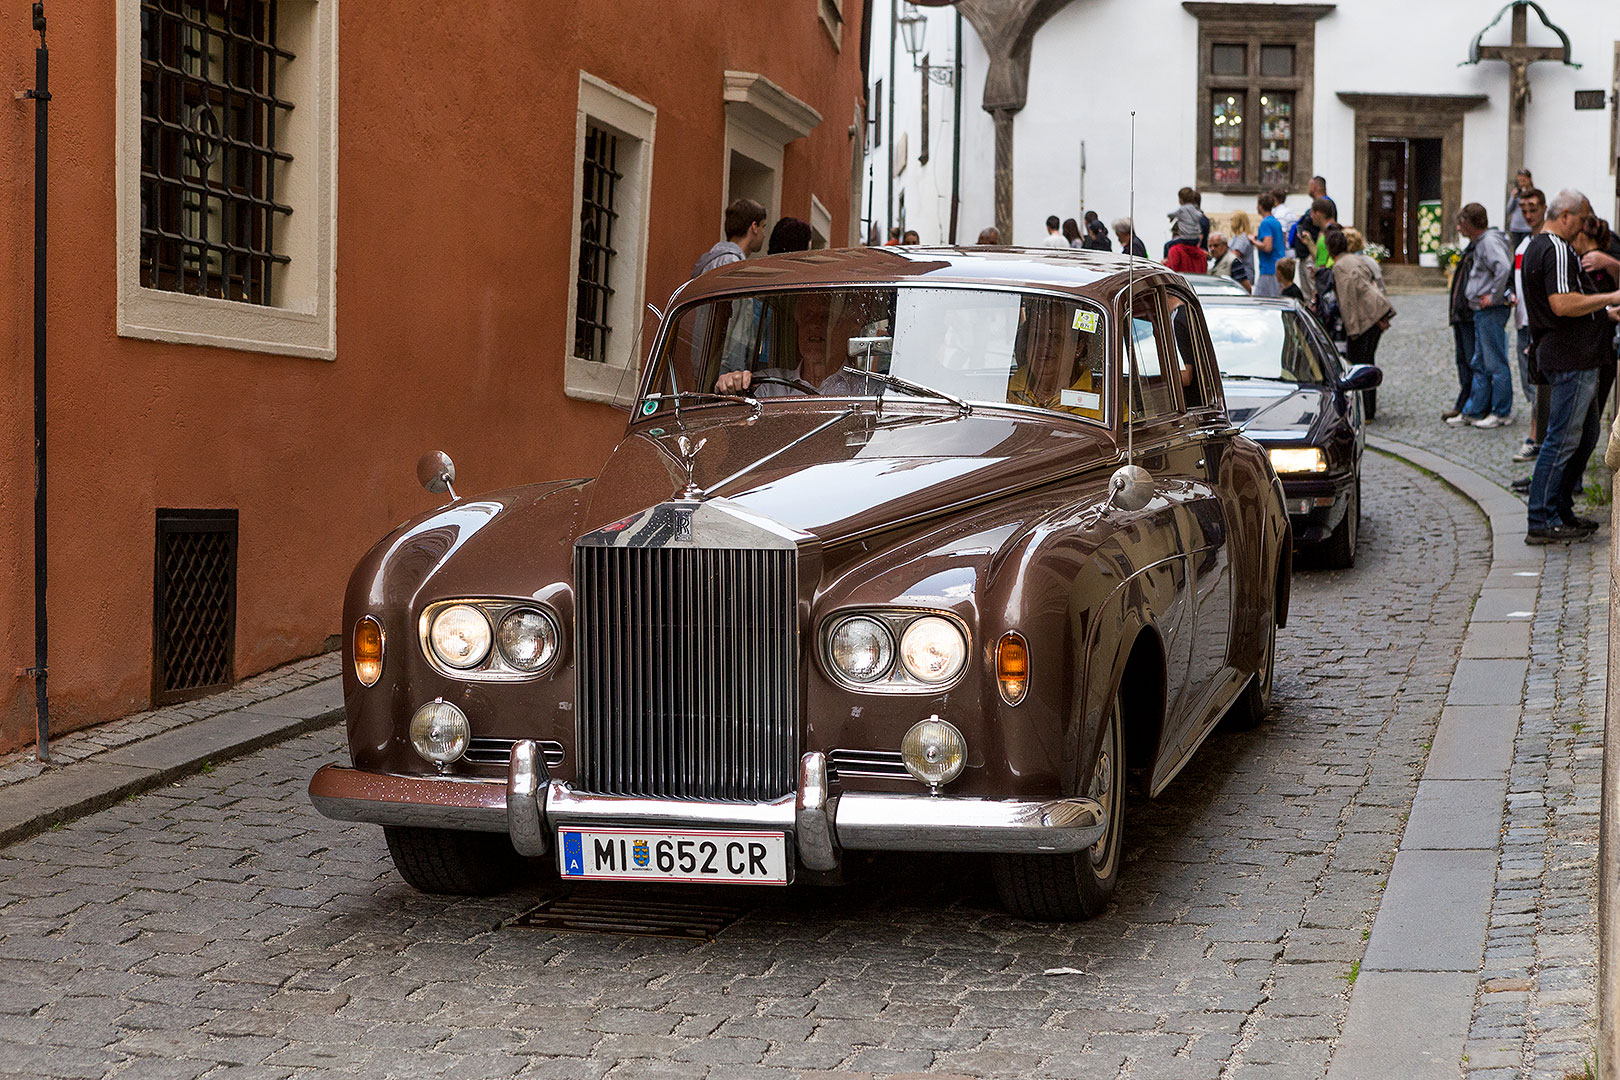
x=455, y=177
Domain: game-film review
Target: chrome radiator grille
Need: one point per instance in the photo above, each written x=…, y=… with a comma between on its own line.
x=687, y=668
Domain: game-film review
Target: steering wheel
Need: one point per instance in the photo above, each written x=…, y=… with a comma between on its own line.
x=796, y=384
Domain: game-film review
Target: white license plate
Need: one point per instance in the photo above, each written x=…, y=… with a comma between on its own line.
x=747, y=856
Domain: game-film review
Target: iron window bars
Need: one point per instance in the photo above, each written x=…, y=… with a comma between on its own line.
x=209, y=116
x=599, y=186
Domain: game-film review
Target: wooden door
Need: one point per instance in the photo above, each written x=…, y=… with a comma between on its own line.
x=1386, y=217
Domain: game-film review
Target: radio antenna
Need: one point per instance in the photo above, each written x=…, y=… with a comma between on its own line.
x=1130, y=310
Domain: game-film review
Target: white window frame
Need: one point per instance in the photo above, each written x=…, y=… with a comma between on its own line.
x=614, y=380
x=301, y=319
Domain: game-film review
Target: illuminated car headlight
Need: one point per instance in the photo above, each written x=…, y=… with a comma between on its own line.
x=933, y=649
x=861, y=648
x=528, y=638
x=933, y=751
x=1306, y=460
x=439, y=731
x=460, y=636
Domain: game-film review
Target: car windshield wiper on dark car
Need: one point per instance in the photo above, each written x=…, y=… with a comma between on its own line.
x=911, y=387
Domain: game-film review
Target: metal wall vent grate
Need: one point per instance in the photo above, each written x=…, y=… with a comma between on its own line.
x=692, y=914
x=194, y=604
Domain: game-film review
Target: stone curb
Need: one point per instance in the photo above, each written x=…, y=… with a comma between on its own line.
x=1413, y=999
x=78, y=788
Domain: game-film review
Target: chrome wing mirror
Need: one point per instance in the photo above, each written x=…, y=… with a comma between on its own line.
x=1130, y=488
x=436, y=472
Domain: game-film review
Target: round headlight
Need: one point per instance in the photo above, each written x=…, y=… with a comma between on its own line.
x=439, y=731
x=861, y=648
x=933, y=751
x=460, y=636
x=528, y=639
x=933, y=649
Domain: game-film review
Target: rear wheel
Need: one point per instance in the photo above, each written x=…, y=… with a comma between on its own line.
x=457, y=863
x=1076, y=885
x=1339, y=549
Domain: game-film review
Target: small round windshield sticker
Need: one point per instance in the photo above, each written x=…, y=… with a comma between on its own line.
x=649, y=407
x=1086, y=321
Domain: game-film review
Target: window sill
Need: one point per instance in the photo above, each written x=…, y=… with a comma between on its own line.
x=607, y=384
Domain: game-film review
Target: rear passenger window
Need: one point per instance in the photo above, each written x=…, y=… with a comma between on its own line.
x=1147, y=362
x=1183, y=323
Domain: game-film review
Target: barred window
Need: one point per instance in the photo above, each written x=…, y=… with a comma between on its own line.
x=210, y=116
x=599, y=181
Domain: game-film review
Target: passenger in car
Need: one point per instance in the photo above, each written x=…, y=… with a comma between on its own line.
x=1055, y=366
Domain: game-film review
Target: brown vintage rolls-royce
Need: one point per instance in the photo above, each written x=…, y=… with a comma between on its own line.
x=920, y=549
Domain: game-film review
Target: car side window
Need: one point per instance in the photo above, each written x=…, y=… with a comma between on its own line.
x=1150, y=392
x=1183, y=324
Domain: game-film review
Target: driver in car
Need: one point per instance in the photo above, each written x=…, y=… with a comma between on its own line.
x=823, y=326
x=1054, y=371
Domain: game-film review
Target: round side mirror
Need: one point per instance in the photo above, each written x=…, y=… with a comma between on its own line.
x=435, y=471
x=1130, y=488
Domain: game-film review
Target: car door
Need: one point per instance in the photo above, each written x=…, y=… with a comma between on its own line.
x=1206, y=438
x=1168, y=449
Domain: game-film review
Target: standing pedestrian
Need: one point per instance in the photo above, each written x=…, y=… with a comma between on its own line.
x=1533, y=204
x=894, y=236
x=1054, y=234
x=1286, y=285
x=1323, y=214
x=1071, y=232
x=1570, y=340
x=1462, y=332
x=1286, y=214
x=1241, y=241
x=1363, y=307
x=1224, y=262
x=1186, y=257
x=1096, y=237
x=1513, y=219
x=1268, y=246
x=1593, y=244
x=745, y=235
x=1129, y=242
x=1490, y=403
x=1186, y=222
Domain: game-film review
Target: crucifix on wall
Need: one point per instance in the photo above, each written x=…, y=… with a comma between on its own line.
x=1519, y=54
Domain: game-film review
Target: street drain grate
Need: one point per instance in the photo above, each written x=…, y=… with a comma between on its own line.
x=649, y=913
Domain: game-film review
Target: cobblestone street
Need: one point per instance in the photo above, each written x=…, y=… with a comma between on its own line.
x=220, y=922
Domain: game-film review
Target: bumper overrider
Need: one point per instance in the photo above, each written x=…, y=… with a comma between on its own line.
x=530, y=806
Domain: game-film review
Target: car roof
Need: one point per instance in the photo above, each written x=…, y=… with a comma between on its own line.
x=1216, y=285
x=1095, y=274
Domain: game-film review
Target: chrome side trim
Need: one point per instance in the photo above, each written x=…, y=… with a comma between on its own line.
x=813, y=815
x=525, y=777
x=875, y=822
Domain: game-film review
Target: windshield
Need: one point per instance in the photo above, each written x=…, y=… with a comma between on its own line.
x=1261, y=343
x=971, y=344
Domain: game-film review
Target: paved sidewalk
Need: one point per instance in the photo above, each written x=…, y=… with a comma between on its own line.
x=1486, y=962
x=94, y=768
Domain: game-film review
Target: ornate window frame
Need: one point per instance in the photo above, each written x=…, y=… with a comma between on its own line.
x=1255, y=25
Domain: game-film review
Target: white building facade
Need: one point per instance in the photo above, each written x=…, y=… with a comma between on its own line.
x=1234, y=98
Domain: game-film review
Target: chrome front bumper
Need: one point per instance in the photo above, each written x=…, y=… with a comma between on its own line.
x=530, y=805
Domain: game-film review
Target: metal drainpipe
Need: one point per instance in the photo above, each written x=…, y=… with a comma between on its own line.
x=41, y=96
x=956, y=129
x=888, y=182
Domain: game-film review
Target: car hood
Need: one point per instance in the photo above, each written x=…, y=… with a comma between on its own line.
x=836, y=471
x=1273, y=410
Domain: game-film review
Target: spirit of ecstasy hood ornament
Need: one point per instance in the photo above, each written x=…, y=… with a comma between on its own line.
x=689, y=452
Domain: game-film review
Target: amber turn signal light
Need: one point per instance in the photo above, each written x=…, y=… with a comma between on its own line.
x=368, y=650
x=1012, y=667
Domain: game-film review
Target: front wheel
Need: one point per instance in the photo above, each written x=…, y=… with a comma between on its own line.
x=1339, y=549
x=456, y=863
x=1075, y=885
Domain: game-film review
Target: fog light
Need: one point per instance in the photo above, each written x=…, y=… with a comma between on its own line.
x=368, y=651
x=439, y=731
x=1012, y=667
x=934, y=752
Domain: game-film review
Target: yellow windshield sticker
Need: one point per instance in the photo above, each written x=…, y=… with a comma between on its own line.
x=1086, y=321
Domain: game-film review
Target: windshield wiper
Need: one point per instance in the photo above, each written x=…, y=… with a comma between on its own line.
x=699, y=395
x=915, y=388
x=1239, y=378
